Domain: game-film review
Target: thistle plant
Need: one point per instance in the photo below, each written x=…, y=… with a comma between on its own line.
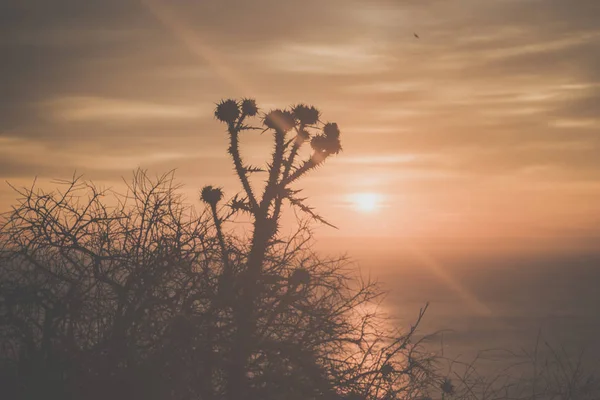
x=212, y=196
x=291, y=129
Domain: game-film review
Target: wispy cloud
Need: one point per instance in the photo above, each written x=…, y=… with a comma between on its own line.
x=329, y=59
x=380, y=159
x=98, y=108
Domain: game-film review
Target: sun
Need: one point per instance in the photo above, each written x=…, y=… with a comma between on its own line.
x=366, y=202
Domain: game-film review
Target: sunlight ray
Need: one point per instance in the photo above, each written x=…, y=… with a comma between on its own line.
x=193, y=41
x=438, y=269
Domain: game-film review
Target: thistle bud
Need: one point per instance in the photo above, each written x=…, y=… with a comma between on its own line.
x=279, y=120
x=331, y=130
x=211, y=195
x=249, y=107
x=326, y=145
x=227, y=111
x=306, y=115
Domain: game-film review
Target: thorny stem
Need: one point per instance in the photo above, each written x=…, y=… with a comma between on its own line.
x=315, y=160
x=293, y=152
x=264, y=228
x=286, y=171
x=239, y=166
x=271, y=187
x=227, y=272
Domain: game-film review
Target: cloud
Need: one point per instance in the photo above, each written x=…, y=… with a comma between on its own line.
x=77, y=109
x=24, y=157
x=329, y=59
x=380, y=159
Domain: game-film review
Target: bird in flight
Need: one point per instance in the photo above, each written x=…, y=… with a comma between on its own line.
x=417, y=36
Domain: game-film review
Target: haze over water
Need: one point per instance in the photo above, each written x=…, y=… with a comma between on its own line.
x=486, y=298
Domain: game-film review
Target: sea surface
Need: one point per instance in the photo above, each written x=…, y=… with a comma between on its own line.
x=494, y=303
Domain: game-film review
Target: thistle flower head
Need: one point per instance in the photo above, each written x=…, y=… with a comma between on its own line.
x=300, y=277
x=249, y=107
x=211, y=195
x=307, y=115
x=227, y=111
x=331, y=130
x=279, y=120
x=326, y=145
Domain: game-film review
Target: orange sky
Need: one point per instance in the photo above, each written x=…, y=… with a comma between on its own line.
x=487, y=126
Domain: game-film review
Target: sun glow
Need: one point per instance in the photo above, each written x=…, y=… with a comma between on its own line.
x=366, y=202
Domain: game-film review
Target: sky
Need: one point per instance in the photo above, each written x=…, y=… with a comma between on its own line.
x=484, y=130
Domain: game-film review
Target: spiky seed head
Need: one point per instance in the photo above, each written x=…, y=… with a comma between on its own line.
x=318, y=143
x=447, y=386
x=307, y=115
x=227, y=111
x=387, y=369
x=331, y=130
x=279, y=120
x=249, y=107
x=211, y=195
x=326, y=145
x=300, y=277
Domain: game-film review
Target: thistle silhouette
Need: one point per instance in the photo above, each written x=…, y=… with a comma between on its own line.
x=306, y=115
x=212, y=196
x=227, y=111
x=291, y=129
x=249, y=107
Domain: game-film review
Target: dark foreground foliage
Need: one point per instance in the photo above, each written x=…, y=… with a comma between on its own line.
x=136, y=296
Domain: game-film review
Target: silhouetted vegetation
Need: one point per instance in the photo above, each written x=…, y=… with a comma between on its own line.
x=136, y=296
x=548, y=372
